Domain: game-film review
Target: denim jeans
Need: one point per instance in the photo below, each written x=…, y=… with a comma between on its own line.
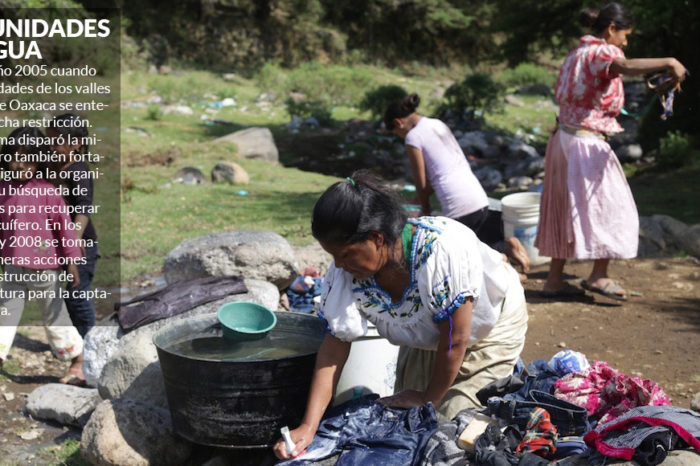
x=82, y=310
x=569, y=418
x=367, y=433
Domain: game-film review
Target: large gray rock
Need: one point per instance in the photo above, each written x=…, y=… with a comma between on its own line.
x=134, y=372
x=695, y=402
x=129, y=432
x=229, y=172
x=673, y=229
x=489, y=177
x=651, y=238
x=66, y=404
x=474, y=142
x=262, y=255
x=521, y=150
x=690, y=240
x=629, y=152
x=103, y=341
x=253, y=143
x=315, y=256
x=529, y=166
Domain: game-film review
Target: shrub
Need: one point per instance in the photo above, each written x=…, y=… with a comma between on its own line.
x=526, y=74
x=341, y=85
x=270, y=77
x=674, y=150
x=321, y=109
x=376, y=101
x=154, y=112
x=478, y=91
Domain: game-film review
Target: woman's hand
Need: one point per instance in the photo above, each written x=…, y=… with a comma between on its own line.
x=405, y=399
x=678, y=71
x=301, y=436
x=72, y=269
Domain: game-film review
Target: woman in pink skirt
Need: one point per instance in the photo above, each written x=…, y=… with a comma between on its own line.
x=587, y=209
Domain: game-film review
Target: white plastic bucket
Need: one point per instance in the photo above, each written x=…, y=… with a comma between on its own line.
x=370, y=368
x=521, y=213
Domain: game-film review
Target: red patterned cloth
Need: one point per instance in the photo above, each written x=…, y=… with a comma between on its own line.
x=608, y=393
x=589, y=94
x=541, y=435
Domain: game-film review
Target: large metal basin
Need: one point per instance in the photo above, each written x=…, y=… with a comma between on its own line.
x=236, y=404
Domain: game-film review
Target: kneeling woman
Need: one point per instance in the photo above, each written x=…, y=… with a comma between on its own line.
x=455, y=307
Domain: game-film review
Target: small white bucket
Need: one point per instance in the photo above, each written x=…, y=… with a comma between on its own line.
x=521, y=213
x=370, y=368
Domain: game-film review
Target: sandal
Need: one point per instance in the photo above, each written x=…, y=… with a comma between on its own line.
x=609, y=290
x=567, y=291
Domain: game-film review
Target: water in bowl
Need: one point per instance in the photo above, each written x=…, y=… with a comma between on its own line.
x=218, y=348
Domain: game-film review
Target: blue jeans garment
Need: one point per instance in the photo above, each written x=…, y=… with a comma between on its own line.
x=569, y=418
x=81, y=310
x=366, y=432
x=541, y=377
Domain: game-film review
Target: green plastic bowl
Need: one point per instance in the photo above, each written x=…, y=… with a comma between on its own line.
x=244, y=321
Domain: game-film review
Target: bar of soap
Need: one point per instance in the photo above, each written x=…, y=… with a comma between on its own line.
x=472, y=431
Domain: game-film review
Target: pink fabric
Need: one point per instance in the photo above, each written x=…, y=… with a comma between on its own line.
x=607, y=393
x=41, y=257
x=589, y=94
x=587, y=210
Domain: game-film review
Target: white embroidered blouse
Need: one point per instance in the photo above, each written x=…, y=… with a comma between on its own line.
x=448, y=264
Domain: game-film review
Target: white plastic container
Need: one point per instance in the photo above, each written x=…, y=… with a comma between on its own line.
x=370, y=368
x=521, y=213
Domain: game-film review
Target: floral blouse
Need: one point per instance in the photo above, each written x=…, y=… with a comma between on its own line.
x=589, y=94
x=448, y=264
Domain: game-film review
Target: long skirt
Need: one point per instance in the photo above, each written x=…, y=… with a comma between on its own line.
x=587, y=210
x=485, y=361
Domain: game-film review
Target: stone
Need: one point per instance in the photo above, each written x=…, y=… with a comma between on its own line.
x=66, y=404
x=99, y=344
x=529, y=166
x=190, y=176
x=521, y=150
x=473, y=141
x=177, y=110
x=106, y=338
x=695, y=402
x=690, y=240
x=514, y=101
x=521, y=182
x=230, y=172
x=674, y=229
x=253, y=143
x=489, y=177
x=130, y=372
x=629, y=152
x=315, y=256
x=131, y=432
x=262, y=255
x=651, y=238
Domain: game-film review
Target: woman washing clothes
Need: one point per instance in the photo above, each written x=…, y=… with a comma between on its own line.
x=587, y=209
x=455, y=307
x=439, y=165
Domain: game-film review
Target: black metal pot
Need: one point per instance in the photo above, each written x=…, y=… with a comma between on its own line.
x=236, y=404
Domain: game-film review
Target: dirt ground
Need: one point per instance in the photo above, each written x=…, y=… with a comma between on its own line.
x=655, y=335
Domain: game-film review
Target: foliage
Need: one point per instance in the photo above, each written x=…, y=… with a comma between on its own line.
x=674, y=150
x=478, y=91
x=319, y=108
x=154, y=112
x=526, y=74
x=377, y=100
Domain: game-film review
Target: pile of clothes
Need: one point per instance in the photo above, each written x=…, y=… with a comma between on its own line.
x=564, y=410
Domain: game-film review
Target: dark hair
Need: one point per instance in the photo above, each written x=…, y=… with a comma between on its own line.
x=73, y=126
x=400, y=109
x=612, y=13
x=349, y=210
x=33, y=144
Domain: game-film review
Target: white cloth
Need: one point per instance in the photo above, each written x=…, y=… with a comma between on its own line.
x=447, y=169
x=448, y=264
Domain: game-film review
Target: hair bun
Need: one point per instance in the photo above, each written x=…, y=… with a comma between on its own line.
x=589, y=16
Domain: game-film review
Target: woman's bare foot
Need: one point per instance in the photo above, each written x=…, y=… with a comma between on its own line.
x=516, y=251
x=75, y=375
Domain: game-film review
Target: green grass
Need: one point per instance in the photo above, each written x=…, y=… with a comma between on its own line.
x=65, y=454
x=672, y=192
x=535, y=118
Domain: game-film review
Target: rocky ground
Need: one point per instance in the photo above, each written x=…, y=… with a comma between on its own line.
x=655, y=335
